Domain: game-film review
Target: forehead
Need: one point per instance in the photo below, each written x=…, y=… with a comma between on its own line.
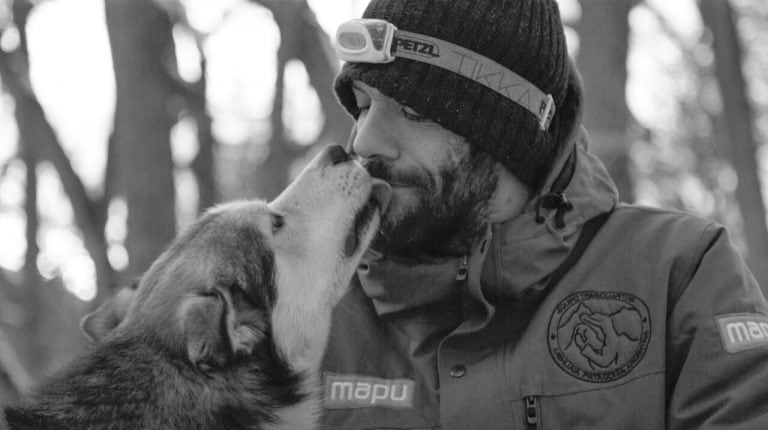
x=229, y=230
x=226, y=245
x=235, y=237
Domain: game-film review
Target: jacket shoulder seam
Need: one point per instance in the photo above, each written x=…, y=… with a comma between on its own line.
x=624, y=207
x=706, y=237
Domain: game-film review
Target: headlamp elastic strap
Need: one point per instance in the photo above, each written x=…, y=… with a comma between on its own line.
x=477, y=67
x=377, y=41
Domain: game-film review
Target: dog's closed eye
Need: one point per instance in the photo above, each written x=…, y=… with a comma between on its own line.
x=278, y=222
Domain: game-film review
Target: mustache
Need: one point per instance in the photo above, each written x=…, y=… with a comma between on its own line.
x=402, y=177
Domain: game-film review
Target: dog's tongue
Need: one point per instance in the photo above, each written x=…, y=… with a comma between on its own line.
x=382, y=192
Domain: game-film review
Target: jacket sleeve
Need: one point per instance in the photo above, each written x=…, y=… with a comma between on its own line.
x=717, y=343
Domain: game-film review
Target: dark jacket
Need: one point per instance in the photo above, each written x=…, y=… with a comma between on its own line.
x=656, y=323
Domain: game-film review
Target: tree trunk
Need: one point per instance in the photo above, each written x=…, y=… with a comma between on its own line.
x=604, y=34
x=302, y=38
x=738, y=116
x=204, y=163
x=142, y=44
x=32, y=284
x=317, y=54
x=29, y=143
x=90, y=215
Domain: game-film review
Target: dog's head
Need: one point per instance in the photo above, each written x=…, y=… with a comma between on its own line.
x=247, y=266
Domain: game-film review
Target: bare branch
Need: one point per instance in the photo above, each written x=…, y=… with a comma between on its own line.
x=194, y=95
x=90, y=215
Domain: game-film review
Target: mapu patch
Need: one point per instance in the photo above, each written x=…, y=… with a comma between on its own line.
x=357, y=391
x=740, y=332
x=599, y=336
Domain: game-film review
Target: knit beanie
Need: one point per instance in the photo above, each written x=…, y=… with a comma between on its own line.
x=525, y=36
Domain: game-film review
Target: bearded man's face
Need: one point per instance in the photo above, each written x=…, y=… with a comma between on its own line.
x=436, y=213
x=441, y=186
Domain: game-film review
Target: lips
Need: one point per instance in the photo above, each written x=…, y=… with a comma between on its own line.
x=381, y=195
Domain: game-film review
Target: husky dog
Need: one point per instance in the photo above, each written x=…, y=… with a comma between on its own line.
x=227, y=328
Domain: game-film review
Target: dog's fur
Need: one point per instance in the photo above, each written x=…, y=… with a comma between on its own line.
x=227, y=328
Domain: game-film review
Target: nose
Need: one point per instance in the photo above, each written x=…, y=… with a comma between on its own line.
x=336, y=154
x=374, y=138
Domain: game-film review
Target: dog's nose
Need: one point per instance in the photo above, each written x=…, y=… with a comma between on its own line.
x=337, y=154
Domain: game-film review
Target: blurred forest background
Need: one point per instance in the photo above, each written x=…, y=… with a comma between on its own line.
x=120, y=120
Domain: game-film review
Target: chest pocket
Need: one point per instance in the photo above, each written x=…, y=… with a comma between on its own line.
x=637, y=404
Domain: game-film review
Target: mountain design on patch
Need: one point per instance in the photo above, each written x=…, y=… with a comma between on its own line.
x=599, y=336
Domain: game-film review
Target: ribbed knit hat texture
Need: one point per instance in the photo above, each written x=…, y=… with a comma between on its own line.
x=525, y=36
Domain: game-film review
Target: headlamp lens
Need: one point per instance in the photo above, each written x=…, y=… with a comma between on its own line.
x=352, y=41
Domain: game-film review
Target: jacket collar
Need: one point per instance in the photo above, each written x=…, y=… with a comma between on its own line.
x=525, y=251
x=397, y=284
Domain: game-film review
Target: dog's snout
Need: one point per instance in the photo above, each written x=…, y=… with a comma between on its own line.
x=337, y=154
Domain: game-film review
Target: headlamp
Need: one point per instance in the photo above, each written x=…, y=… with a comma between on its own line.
x=366, y=41
x=378, y=41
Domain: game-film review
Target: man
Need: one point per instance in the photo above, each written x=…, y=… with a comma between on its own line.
x=508, y=289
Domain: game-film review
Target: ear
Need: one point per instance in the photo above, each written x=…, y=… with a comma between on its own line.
x=99, y=323
x=221, y=326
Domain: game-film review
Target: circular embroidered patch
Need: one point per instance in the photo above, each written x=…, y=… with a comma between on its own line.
x=599, y=336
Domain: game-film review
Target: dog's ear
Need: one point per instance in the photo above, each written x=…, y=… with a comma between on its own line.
x=99, y=323
x=221, y=326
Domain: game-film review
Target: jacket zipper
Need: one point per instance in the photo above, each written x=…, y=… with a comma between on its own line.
x=532, y=412
x=461, y=274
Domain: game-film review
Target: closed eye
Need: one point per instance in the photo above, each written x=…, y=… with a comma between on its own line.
x=362, y=99
x=278, y=222
x=412, y=115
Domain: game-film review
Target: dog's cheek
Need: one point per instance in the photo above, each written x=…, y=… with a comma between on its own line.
x=203, y=324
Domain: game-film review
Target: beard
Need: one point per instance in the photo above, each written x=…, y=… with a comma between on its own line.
x=450, y=212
